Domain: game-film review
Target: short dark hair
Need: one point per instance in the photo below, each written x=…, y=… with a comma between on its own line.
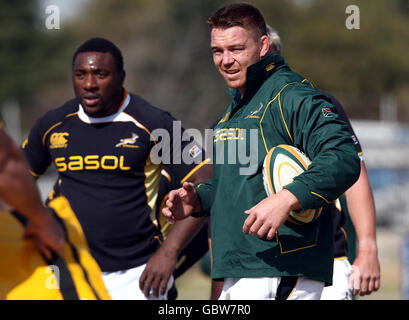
x=101, y=45
x=239, y=14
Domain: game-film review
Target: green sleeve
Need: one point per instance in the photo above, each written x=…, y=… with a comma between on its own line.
x=316, y=129
x=205, y=193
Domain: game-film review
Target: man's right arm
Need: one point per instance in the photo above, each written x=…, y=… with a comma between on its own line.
x=361, y=208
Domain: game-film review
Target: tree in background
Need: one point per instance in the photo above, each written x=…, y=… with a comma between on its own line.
x=30, y=57
x=358, y=66
x=168, y=59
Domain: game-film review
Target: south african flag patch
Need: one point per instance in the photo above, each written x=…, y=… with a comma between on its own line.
x=327, y=112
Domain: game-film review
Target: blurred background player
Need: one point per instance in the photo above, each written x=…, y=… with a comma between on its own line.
x=101, y=144
x=18, y=191
x=360, y=208
x=197, y=245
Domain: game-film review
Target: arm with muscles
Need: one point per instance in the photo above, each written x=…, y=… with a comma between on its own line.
x=365, y=274
x=334, y=167
x=162, y=264
x=18, y=189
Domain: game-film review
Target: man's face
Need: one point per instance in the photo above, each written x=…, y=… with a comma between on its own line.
x=234, y=50
x=97, y=83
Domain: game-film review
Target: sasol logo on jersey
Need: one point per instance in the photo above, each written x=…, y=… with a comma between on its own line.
x=228, y=134
x=91, y=162
x=59, y=140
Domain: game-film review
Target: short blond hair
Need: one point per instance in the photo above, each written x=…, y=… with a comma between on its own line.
x=275, y=41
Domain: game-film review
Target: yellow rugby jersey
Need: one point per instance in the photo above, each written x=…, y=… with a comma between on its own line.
x=107, y=174
x=26, y=275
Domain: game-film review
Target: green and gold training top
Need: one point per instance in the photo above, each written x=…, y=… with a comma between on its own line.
x=278, y=107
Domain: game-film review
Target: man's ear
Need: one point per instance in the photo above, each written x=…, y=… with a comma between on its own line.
x=264, y=46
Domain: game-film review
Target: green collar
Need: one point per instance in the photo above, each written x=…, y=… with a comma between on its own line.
x=257, y=73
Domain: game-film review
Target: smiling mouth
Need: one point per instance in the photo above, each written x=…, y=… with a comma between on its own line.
x=231, y=72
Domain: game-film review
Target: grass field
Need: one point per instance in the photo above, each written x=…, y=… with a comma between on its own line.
x=195, y=285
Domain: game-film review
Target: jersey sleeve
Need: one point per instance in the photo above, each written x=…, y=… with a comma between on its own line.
x=343, y=116
x=183, y=153
x=204, y=191
x=36, y=151
x=315, y=128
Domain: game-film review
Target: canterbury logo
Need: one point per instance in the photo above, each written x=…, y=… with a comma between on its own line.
x=128, y=142
x=270, y=67
x=58, y=140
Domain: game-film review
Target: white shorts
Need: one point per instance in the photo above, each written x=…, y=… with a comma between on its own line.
x=124, y=285
x=276, y=288
x=340, y=282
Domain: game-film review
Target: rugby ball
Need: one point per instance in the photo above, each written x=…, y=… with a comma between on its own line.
x=281, y=165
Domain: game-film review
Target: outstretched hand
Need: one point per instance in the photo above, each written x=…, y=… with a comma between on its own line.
x=181, y=203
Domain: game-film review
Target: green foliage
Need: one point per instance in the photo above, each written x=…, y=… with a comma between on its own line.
x=366, y=60
x=30, y=57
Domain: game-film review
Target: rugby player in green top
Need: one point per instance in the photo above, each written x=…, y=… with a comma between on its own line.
x=258, y=252
x=361, y=210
